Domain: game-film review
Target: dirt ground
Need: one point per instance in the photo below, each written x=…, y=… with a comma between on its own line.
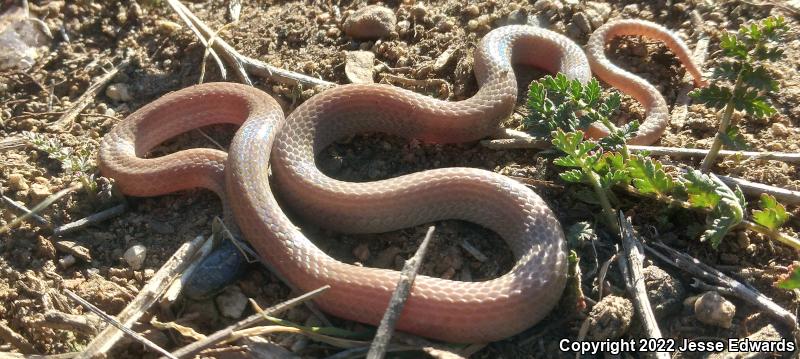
x=90, y=38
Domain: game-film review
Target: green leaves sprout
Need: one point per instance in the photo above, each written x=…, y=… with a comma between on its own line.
x=747, y=52
x=742, y=80
x=772, y=214
x=566, y=107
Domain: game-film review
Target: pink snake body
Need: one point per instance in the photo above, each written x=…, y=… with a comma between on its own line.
x=437, y=308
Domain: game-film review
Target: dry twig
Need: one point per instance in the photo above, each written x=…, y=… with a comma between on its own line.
x=787, y=157
x=149, y=294
x=86, y=324
x=89, y=220
x=15, y=339
x=20, y=207
x=192, y=349
x=716, y=278
x=244, y=64
x=42, y=205
x=69, y=116
x=378, y=348
x=756, y=189
x=631, y=266
x=110, y=320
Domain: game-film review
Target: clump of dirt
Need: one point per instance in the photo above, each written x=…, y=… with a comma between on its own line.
x=90, y=38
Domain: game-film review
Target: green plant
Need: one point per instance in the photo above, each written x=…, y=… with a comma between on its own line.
x=772, y=214
x=565, y=107
x=78, y=163
x=742, y=81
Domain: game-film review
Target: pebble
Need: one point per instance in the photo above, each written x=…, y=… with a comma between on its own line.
x=610, y=318
x=119, y=92
x=358, y=67
x=75, y=249
x=445, y=58
x=713, y=309
x=361, y=252
x=419, y=11
x=67, y=261
x=167, y=27
x=231, y=302
x=780, y=130
x=472, y=10
x=17, y=182
x=581, y=20
x=370, y=23
x=39, y=192
x=597, y=13
x=135, y=256
x=445, y=25
x=403, y=27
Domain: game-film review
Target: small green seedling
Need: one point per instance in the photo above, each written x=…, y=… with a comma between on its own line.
x=77, y=163
x=742, y=80
x=772, y=214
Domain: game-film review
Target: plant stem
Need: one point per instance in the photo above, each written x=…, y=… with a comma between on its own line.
x=608, y=211
x=755, y=227
x=725, y=121
x=774, y=234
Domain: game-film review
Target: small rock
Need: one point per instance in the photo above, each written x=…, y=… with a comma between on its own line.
x=167, y=27
x=75, y=249
x=419, y=11
x=17, y=182
x=472, y=10
x=445, y=58
x=713, y=309
x=66, y=261
x=46, y=248
x=39, y=192
x=610, y=318
x=665, y=292
x=361, y=252
x=370, y=23
x=135, y=256
x=598, y=13
x=231, y=302
x=119, y=92
x=742, y=239
x=780, y=130
x=582, y=22
x=631, y=10
x=445, y=25
x=358, y=67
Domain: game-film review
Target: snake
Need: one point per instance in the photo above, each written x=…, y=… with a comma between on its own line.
x=269, y=150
